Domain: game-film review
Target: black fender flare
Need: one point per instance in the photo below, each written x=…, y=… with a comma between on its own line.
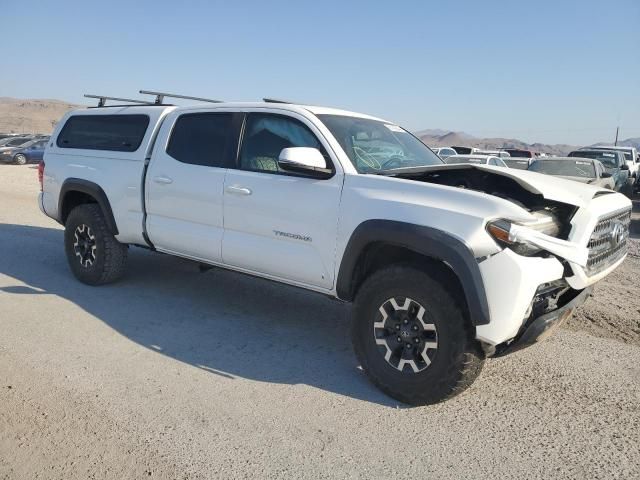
x=92, y=189
x=426, y=241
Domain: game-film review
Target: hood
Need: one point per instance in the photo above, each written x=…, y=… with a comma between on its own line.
x=549, y=187
x=577, y=179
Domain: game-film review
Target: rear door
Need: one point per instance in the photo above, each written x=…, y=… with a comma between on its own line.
x=185, y=180
x=279, y=224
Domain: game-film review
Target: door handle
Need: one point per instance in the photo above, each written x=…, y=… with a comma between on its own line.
x=235, y=189
x=163, y=180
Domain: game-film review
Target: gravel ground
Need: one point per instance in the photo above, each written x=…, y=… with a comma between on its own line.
x=176, y=374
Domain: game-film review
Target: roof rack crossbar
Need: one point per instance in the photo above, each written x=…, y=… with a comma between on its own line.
x=275, y=100
x=160, y=97
x=102, y=99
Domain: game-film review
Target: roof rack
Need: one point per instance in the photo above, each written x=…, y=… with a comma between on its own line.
x=160, y=97
x=275, y=100
x=102, y=99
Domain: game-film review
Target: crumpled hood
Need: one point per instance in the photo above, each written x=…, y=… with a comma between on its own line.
x=551, y=188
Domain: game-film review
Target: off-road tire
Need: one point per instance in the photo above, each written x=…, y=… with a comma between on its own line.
x=458, y=359
x=110, y=255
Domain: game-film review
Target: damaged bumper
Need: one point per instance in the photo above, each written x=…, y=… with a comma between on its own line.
x=539, y=328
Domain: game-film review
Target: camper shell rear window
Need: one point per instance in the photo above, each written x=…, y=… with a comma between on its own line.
x=120, y=133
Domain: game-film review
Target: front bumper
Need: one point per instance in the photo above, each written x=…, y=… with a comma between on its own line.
x=511, y=282
x=537, y=329
x=6, y=158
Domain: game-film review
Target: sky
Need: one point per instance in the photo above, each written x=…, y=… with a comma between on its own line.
x=559, y=71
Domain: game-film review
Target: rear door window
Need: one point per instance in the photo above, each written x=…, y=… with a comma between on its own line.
x=201, y=138
x=120, y=133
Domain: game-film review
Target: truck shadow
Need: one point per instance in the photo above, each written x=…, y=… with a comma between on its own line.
x=225, y=323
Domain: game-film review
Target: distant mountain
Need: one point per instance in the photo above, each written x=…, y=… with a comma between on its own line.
x=462, y=139
x=431, y=132
x=629, y=142
x=31, y=115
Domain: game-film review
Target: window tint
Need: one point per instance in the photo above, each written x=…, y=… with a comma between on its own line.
x=492, y=161
x=265, y=135
x=18, y=142
x=121, y=133
x=201, y=138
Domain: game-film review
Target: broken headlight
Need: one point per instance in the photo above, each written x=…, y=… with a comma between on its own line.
x=522, y=237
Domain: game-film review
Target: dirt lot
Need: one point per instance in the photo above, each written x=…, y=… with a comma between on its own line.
x=176, y=374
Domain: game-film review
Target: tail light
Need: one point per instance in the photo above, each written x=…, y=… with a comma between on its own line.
x=41, y=173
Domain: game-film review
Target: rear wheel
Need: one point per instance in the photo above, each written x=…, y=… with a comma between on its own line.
x=94, y=255
x=412, y=338
x=20, y=159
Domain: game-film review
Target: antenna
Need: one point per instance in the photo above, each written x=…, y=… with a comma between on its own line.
x=102, y=99
x=160, y=97
x=616, y=143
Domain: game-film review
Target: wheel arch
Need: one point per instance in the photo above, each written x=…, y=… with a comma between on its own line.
x=377, y=243
x=77, y=191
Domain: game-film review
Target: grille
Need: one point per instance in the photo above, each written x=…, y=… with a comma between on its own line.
x=608, y=242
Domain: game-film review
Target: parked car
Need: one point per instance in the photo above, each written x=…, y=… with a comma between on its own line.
x=615, y=164
x=476, y=159
x=345, y=205
x=518, y=163
x=631, y=156
x=14, y=141
x=29, y=152
x=584, y=170
x=464, y=150
x=519, y=153
x=444, y=152
x=494, y=153
x=8, y=135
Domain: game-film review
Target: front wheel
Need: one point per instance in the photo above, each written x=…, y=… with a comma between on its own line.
x=20, y=159
x=93, y=253
x=411, y=337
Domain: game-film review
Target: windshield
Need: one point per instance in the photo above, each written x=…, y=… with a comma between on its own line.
x=610, y=159
x=377, y=147
x=566, y=168
x=17, y=141
x=520, y=164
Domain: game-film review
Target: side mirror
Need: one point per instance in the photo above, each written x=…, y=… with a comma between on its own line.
x=606, y=175
x=304, y=160
x=624, y=166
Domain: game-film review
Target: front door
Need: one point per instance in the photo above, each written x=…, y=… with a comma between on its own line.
x=278, y=224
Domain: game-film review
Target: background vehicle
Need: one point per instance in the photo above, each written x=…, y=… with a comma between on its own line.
x=584, y=170
x=494, y=153
x=477, y=159
x=630, y=156
x=615, y=164
x=14, y=141
x=343, y=204
x=464, y=150
x=518, y=163
x=29, y=152
x=519, y=153
x=444, y=152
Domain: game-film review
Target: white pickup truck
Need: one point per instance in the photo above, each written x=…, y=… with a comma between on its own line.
x=446, y=264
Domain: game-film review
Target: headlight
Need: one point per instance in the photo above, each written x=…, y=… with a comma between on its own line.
x=522, y=237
